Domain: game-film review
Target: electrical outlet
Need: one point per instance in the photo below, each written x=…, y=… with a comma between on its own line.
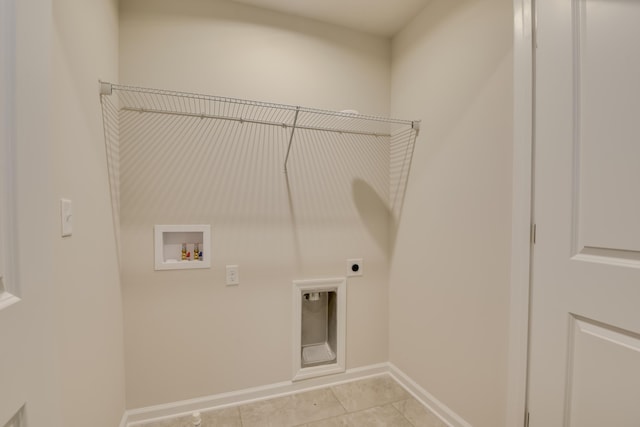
x=233, y=276
x=66, y=217
x=354, y=267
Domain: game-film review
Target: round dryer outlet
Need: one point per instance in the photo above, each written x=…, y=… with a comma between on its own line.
x=354, y=267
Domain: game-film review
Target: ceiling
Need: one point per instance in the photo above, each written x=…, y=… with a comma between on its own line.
x=380, y=17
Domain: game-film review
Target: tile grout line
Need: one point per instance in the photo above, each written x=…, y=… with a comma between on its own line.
x=402, y=413
x=339, y=401
x=240, y=415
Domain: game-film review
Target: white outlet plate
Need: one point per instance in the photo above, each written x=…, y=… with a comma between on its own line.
x=233, y=275
x=66, y=217
x=354, y=267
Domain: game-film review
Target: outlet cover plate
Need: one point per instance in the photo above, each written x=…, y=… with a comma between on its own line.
x=233, y=275
x=66, y=217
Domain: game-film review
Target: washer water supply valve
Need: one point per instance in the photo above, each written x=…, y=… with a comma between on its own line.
x=313, y=296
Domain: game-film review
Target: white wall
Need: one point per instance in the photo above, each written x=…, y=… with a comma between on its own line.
x=88, y=304
x=186, y=333
x=228, y=49
x=34, y=212
x=452, y=67
x=72, y=361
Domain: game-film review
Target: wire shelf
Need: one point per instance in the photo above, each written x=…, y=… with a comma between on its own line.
x=288, y=116
x=134, y=115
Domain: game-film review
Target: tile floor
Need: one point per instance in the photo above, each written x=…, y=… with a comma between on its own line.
x=377, y=401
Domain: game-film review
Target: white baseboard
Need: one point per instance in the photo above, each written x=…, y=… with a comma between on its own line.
x=448, y=416
x=135, y=417
x=139, y=416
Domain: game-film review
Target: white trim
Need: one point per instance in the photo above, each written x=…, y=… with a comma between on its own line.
x=7, y=152
x=134, y=417
x=339, y=285
x=442, y=411
x=7, y=299
x=523, y=79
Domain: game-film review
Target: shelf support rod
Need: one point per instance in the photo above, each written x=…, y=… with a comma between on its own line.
x=293, y=129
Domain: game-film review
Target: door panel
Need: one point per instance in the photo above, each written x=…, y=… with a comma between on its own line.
x=603, y=371
x=585, y=322
x=607, y=101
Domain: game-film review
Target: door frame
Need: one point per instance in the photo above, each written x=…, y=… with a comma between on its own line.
x=522, y=213
x=7, y=154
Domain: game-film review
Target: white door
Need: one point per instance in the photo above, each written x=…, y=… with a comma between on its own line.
x=585, y=301
x=13, y=371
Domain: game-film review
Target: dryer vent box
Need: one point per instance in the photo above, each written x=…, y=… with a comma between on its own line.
x=319, y=323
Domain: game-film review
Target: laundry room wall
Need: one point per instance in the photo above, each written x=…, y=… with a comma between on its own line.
x=87, y=296
x=187, y=334
x=449, y=286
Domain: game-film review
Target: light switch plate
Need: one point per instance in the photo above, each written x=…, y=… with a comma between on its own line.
x=66, y=217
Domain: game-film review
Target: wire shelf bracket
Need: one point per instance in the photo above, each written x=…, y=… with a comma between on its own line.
x=293, y=129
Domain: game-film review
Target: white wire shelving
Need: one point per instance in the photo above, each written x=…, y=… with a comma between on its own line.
x=134, y=129
x=158, y=101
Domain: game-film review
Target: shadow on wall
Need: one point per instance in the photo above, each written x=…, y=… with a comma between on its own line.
x=371, y=204
x=374, y=211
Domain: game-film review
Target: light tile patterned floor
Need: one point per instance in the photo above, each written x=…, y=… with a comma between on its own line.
x=372, y=402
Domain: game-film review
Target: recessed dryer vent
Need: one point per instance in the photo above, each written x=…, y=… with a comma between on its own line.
x=319, y=327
